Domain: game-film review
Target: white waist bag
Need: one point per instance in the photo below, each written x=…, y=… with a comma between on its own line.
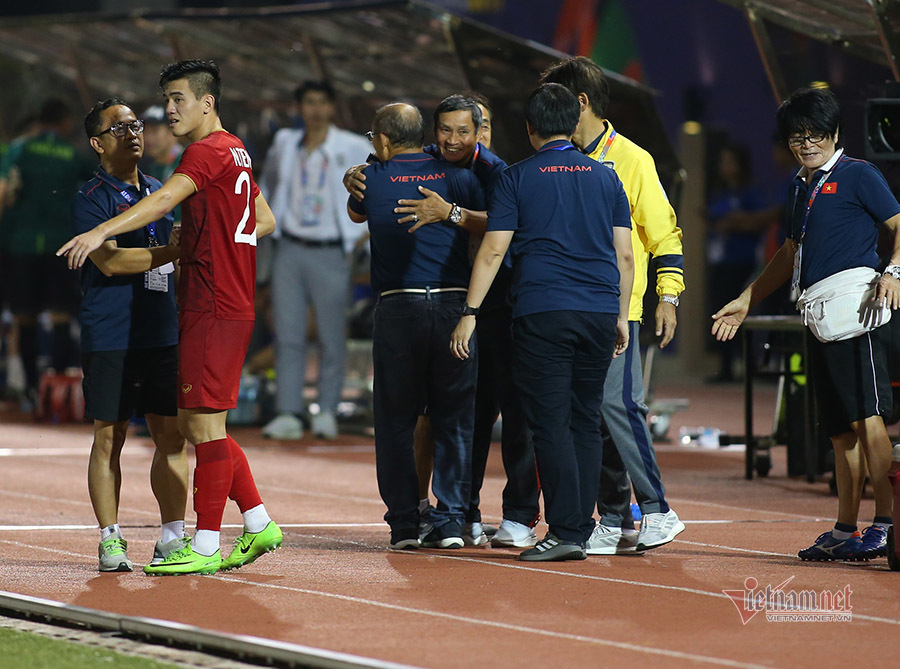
x=841, y=306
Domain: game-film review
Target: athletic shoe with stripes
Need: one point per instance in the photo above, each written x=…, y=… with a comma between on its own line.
x=251, y=545
x=874, y=542
x=827, y=548
x=186, y=561
x=658, y=529
x=611, y=541
x=111, y=554
x=162, y=550
x=553, y=549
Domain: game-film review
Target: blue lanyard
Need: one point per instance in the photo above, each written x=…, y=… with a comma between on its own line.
x=304, y=177
x=812, y=198
x=131, y=199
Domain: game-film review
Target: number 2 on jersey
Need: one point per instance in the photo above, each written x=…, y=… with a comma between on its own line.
x=241, y=237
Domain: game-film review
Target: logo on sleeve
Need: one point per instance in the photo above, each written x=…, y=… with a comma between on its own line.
x=830, y=188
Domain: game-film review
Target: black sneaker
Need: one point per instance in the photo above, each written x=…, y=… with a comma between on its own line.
x=554, y=549
x=447, y=535
x=405, y=539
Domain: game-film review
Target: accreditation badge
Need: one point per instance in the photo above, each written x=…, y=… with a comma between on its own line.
x=795, y=277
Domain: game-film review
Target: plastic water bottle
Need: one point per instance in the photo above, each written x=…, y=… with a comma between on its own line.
x=688, y=434
x=709, y=437
x=636, y=511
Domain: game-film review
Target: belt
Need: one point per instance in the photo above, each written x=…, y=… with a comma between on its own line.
x=313, y=243
x=422, y=291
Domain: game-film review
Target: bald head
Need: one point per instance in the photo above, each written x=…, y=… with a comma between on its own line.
x=401, y=124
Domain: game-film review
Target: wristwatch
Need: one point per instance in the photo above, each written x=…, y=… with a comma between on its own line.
x=455, y=214
x=470, y=311
x=892, y=270
x=673, y=300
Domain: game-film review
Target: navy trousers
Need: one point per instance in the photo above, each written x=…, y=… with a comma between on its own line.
x=561, y=360
x=497, y=394
x=414, y=369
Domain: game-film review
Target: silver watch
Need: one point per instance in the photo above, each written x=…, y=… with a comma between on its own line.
x=892, y=270
x=455, y=214
x=673, y=300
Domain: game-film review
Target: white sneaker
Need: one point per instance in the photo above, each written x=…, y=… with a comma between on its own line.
x=513, y=534
x=324, y=425
x=658, y=529
x=473, y=534
x=611, y=541
x=284, y=426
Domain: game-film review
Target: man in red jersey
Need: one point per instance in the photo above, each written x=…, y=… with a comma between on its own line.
x=215, y=299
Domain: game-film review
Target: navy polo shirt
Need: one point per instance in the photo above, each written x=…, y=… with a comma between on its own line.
x=842, y=229
x=562, y=206
x=117, y=312
x=485, y=165
x=434, y=255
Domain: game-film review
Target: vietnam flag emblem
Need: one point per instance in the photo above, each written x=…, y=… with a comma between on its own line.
x=830, y=187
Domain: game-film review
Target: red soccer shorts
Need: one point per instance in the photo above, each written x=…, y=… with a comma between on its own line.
x=210, y=357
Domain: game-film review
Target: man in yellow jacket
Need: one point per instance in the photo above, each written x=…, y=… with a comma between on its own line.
x=627, y=443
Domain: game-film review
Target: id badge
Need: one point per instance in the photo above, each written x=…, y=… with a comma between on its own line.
x=156, y=281
x=311, y=211
x=795, y=277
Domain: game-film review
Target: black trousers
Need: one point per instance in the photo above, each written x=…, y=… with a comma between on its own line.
x=561, y=360
x=414, y=369
x=496, y=394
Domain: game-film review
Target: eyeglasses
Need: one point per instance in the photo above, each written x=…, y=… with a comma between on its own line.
x=370, y=136
x=796, y=140
x=121, y=129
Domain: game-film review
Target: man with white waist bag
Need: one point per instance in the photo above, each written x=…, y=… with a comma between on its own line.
x=830, y=254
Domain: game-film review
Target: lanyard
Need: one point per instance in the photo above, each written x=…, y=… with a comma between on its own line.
x=612, y=136
x=812, y=198
x=304, y=176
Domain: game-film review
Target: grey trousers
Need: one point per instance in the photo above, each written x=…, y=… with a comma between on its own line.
x=304, y=276
x=627, y=443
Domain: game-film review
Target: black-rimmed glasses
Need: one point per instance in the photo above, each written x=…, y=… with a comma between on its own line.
x=121, y=129
x=796, y=141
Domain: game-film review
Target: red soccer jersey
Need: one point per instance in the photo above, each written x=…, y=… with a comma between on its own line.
x=218, y=238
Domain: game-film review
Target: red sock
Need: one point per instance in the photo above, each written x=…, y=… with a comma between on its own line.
x=243, y=487
x=212, y=481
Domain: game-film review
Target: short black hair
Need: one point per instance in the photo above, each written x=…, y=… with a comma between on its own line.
x=401, y=123
x=551, y=110
x=458, y=102
x=315, y=86
x=54, y=111
x=202, y=75
x=481, y=99
x=809, y=110
x=581, y=75
x=92, y=121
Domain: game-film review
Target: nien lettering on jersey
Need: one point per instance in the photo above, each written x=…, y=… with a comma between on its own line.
x=565, y=168
x=417, y=177
x=241, y=157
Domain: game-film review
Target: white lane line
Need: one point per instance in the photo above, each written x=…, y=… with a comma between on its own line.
x=73, y=502
x=492, y=563
x=306, y=526
x=39, y=452
x=730, y=507
x=734, y=548
x=500, y=625
x=590, y=577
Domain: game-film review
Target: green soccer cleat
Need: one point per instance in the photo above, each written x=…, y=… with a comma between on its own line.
x=250, y=545
x=112, y=555
x=185, y=561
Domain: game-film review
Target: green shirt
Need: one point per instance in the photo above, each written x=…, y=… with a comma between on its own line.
x=50, y=171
